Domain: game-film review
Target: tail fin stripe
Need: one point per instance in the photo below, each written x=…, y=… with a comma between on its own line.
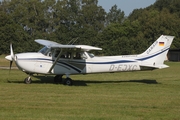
x=141, y=59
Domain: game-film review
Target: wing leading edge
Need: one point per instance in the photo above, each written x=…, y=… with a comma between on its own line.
x=52, y=44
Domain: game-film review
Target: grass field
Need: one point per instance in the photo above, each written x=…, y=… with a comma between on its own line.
x=149, y=95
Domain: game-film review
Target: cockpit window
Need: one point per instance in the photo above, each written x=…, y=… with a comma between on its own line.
x=44, y=50
x=91, y=55
x=83, y=55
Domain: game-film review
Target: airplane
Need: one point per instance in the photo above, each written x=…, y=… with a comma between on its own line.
x=58, y=59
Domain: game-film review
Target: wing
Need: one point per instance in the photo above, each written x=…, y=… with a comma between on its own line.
x=46, y=42
x=52, y=44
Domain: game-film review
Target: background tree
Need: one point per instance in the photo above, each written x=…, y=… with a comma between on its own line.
x=115, y=15
x=63, y=20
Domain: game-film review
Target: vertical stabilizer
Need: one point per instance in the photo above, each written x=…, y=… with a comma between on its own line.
x=155, y=55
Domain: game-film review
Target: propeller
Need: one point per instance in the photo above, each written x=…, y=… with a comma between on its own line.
x=10, y=57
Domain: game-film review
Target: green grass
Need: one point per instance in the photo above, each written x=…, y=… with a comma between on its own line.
x=127, y=96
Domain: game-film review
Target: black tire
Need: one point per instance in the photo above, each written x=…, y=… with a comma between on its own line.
x=27, y=80
x=58, y=79
x=68, y=81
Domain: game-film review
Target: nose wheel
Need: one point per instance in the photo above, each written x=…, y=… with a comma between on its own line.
x=28, y=80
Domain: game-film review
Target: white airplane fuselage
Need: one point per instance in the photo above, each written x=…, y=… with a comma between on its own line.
x=39, y=63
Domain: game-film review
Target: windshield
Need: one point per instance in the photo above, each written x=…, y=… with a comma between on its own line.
x=44, y=50
x=90, y=55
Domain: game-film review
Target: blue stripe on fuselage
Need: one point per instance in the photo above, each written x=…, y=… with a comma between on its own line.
x=72, y=67
x=112, y=62
x=145, y=58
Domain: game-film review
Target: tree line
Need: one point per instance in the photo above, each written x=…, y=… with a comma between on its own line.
x=21, y=22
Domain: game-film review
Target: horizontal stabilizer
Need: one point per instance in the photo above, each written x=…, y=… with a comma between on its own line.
x=155, y=66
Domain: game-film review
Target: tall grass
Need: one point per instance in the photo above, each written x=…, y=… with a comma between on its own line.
x=129, y=95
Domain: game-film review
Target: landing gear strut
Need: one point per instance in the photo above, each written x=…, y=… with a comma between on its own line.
x=28, y=80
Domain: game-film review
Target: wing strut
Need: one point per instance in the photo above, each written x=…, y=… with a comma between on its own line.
x=55, y=61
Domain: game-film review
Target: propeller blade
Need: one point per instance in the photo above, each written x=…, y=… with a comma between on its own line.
x=12, y=53
x=10, y=58
x=11, y=62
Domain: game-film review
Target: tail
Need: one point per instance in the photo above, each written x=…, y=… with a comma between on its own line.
x=155, y=55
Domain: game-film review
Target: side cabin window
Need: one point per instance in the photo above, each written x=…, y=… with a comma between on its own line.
x=66, y=55
x=80, y=55
x=70, y=54
x=77, y=55
x=57, y=51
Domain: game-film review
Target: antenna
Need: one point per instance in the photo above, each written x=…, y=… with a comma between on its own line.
x=73, y=41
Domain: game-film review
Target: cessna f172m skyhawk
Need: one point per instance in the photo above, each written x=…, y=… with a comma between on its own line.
x=57, y=59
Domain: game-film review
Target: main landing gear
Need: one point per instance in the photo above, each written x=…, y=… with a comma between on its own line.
x=67, y=81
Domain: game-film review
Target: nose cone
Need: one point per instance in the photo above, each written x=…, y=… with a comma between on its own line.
x=8, y=57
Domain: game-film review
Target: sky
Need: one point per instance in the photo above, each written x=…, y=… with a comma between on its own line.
x=125, y=5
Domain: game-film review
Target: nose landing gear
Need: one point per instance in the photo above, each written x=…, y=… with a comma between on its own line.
x=28, y=80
